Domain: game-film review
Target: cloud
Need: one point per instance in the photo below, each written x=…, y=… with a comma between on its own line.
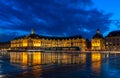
x=53, y=17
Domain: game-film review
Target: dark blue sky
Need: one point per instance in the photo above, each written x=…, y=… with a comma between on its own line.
x=57, y=17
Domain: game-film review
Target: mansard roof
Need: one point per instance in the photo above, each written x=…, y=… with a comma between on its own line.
x=114, y=33
x=97, y=35
x=36, y=36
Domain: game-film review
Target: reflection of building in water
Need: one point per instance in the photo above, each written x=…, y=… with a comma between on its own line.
x=96, y=66
x=26, y=58
x=95, y=56
x=96, y=61
x=34, y=41
x=113, y=41
x=41, y=58
x=98, y=42
x=82, y=58
x=38, y=58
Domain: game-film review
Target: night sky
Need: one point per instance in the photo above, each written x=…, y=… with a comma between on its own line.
x=58, y=17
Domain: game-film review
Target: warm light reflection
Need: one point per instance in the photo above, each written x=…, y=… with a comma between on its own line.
x=96, y=67
x=82, y=57
x=96, y=62
x=36, y=58
x=43, y=58
x=96, y=56
x=39, y=58
x=24, y=58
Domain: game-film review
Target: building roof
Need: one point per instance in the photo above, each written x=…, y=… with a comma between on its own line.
x=98, y=34
x=114, y=33
x=36, y=36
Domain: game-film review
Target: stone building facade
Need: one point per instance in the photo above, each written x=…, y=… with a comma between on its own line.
x=34, y=41
x=97, y=42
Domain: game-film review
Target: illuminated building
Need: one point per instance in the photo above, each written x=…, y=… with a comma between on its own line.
x=97, y=42
x=34, y=41
x=113, y=41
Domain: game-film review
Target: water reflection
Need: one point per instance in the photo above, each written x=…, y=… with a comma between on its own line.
x=72, y=65
x=42, y=58
x=96, y=66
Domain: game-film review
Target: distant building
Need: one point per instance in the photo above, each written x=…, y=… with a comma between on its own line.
x=4, y=45
x=97, y=42
x=112, y=41
x=34, y=41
